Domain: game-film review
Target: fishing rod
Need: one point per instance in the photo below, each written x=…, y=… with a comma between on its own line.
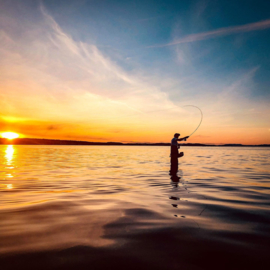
x=201, y=117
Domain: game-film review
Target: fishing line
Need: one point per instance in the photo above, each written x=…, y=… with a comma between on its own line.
x=182, y=107
x=201, y=117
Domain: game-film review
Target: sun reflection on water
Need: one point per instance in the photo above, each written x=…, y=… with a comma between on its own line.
x=9, y=154
x=9, y=160
x=9, y=186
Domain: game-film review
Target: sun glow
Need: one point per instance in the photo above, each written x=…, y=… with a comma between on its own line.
x=10, y=135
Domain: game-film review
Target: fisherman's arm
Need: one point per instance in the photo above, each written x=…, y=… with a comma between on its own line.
x=183, y=139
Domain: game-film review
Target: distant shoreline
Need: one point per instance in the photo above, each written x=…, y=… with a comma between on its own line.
x=30, y=141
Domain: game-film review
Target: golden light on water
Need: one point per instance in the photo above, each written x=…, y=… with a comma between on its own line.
x=10, y=135
x=9, y=186
x=9, y=160
x=9, y=154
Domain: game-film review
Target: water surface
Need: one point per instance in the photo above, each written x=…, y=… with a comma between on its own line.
x=65, y=207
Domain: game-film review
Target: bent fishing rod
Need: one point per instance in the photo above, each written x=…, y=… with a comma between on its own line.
x=201, y=117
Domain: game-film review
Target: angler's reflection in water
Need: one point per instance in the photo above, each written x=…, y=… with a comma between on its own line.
x=175, y=180
x=174, y=198
x=177, y=192
x=175, y=205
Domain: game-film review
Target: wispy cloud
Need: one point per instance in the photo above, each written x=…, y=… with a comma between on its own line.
x=219, y=32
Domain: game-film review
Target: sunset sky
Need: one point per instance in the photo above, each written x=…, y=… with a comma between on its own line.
x=123, y=71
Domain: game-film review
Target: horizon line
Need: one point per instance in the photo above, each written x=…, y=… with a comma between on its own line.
x=128, y=143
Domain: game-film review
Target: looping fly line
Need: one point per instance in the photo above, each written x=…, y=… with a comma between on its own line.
x=201, y=117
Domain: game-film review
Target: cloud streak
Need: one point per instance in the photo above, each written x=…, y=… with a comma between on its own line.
x=225, y=31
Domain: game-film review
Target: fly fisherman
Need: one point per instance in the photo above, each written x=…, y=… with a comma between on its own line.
x=174, y=153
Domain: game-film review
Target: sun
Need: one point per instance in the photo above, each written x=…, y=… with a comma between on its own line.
x=10, y=135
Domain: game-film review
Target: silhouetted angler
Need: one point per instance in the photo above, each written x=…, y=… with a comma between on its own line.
x=174, y=153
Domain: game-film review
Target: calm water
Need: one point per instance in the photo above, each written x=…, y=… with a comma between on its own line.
x=68, y=207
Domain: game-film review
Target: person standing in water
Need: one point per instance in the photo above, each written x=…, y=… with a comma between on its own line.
x=174, y=153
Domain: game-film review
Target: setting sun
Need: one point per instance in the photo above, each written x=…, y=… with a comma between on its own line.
x=10, y=135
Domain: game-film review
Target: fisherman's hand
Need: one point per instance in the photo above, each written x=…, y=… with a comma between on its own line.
x=186, y=138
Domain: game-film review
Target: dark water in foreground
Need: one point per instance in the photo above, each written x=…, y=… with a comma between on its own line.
x=96, y=207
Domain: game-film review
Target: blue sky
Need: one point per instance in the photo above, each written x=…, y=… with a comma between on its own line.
x=126, y=30
x=146, y=55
